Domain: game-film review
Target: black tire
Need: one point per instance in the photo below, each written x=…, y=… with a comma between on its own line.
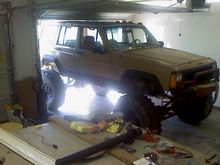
x=195, y=110
x=54, y=89
x=140, y=111
x=100, y=91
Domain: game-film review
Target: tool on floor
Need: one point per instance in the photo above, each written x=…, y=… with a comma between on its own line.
x=149, y=137
x=115, y=126
x=208, y=160
x=143, y=161
x=102, y=124
x=181, y=155
x=81, y=126
x=151, y=156
x=216, y=163
x=127, y=148
x=167, y=150
x=83, y=154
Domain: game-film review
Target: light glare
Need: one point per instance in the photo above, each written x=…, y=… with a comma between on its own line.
x=113, y=96
x=78, y=100
x=81, y=101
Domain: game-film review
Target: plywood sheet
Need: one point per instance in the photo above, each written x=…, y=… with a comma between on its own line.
x=11, y=157
x=66, y=142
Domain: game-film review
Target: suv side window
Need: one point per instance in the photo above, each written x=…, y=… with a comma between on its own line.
x=61, y=36
x=68, y=36
x=90, y=39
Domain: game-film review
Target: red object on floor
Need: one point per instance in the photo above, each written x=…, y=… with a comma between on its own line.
x=150, y=137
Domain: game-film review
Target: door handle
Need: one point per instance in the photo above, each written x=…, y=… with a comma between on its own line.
x=79, y=52
x=58, y=49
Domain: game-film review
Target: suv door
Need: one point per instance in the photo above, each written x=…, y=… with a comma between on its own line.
x=66, y=46
x=93, y=62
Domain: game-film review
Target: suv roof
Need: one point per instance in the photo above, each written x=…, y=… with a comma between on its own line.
x=101, y=24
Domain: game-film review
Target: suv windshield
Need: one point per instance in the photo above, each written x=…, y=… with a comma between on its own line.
x=129, y=37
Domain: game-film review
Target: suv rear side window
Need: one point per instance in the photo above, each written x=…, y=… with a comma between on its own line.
x=90, y=39
x=68, y=36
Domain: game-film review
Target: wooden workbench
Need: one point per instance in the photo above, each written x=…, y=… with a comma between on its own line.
x=27, y=142
x=198, y=157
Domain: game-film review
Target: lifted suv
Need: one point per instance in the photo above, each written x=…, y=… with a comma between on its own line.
x=127, y=57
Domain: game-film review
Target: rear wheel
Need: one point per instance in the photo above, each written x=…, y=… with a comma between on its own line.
x=54, y=89
x=195, y=110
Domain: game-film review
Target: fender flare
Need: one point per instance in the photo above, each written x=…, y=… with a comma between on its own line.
x=48, y=59
x=149, y=78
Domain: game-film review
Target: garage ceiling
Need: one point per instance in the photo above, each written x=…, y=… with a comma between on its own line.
x=103, y=9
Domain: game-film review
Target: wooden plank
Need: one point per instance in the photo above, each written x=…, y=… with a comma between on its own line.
x=94, y=138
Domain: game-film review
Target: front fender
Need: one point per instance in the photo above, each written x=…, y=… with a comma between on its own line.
x=152, y=80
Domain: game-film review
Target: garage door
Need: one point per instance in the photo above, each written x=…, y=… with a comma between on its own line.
x=4, y=62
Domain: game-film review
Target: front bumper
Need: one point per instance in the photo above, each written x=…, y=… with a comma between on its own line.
x=200, y=83
x=204, y=89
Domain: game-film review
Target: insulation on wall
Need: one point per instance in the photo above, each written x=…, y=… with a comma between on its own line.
x=4, y=67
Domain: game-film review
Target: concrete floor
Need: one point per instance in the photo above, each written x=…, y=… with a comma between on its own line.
x=204, y=137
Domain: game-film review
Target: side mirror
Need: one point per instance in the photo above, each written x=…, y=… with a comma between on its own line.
x=161, y=43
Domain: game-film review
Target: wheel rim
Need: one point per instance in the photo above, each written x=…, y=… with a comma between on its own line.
x=49, y=92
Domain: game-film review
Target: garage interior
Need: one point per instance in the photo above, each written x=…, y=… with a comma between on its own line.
x=30, y=133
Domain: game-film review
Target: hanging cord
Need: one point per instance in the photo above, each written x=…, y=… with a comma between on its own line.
x=181, y=20
x=18, y=113
x=43, y=141
x=92, y=157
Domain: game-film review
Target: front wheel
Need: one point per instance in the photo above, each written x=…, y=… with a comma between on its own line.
x=195, y=110
x=54, y=89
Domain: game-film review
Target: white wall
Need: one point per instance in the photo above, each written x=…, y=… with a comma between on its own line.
x=200, y=32
x=23, y=44
x=23, y=38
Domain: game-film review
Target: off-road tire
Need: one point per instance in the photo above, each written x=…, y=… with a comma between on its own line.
x=54, y=89
x=140, y=111
x=100, y=91
x=195, y=110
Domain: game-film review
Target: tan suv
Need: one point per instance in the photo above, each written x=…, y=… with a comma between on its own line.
x=125, y=56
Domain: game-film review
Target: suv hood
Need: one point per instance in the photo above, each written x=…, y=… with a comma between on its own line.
x=165, y=56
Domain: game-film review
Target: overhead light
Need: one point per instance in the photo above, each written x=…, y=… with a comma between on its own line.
x=162, y=3
x=212, y=1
